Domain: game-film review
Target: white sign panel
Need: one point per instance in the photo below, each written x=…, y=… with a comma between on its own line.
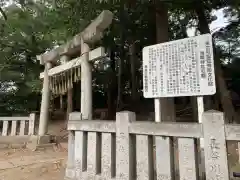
x=179, y=68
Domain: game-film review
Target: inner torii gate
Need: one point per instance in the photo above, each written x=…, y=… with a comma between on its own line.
x=59, y=79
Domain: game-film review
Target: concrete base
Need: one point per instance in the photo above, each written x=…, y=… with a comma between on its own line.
x=12, y=146
x=31, y=142
x=70, y=174
x=13, y=142
x=41, y=142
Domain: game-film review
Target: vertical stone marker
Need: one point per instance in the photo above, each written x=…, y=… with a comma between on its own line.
x=144, y=157
x=187, y=159
x=75, y=152
x=215, y=146
x=122, y=145
x=93, y=154
x=32, y=119
x=107, y=156
x=164, y=158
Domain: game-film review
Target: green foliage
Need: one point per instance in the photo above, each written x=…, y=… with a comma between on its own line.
x=24, y=34
x=31, y=27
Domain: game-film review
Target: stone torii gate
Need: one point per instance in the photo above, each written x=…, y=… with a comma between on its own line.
x=60, y=79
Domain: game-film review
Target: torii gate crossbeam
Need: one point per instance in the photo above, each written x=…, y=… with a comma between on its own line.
x=79, y=43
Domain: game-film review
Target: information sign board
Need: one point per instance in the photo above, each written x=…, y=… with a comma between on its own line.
x=179, y=68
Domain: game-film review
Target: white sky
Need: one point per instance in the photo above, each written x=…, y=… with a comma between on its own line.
x=215, y=25
x=219, y=22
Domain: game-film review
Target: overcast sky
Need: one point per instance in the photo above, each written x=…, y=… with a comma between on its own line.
x=220, y=22
x=215, y=25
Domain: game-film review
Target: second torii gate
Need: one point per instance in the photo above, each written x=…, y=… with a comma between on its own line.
x=60, y=79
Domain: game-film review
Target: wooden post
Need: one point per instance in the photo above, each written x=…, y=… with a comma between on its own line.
x=216, y=165
x=200, y=110
x=69, y=102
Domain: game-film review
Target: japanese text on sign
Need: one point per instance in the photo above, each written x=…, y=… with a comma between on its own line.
x=179, y=68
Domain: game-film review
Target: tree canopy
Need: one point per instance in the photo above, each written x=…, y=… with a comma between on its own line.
x=29, y=28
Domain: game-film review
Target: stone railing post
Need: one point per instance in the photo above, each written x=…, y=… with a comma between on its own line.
x=123, y=146
x=215, y=152
x=70, y=169
x=32, y=120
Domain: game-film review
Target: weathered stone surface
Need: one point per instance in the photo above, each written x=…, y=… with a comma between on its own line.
x=40, y=142
x=164, y=154
x=167, y=129
x=216, y=164
x=45, y=139
x=92, y=126
x=5, y=128
x=93, y=155
x=122, y=144
x=80, y=153
x=75, y=116
x=14, y=139
x=144, y=157
x=107, y=156
x=187, y=159
x=14, y=128
x=32, y=119
x=70, y=174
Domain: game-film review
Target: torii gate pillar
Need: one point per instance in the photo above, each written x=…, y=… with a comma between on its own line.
x=43, y=122
x=86, y=83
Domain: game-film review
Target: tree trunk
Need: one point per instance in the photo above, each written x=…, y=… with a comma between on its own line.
x=167, y=104
x=3, y=13
x=112, y=88
x=132, y=53
x=119, y=82
x=132, y=58
x=121, y=60
x=220, y=82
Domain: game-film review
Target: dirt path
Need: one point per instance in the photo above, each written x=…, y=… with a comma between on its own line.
x=24, y=164
x=27, y=165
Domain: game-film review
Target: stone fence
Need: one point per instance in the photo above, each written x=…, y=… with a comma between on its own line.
x=130, y=149
x=16, y=131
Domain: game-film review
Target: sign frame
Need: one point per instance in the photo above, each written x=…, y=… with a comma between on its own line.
x=178, y=68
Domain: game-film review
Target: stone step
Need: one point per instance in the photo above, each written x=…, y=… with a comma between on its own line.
x=41, y=147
